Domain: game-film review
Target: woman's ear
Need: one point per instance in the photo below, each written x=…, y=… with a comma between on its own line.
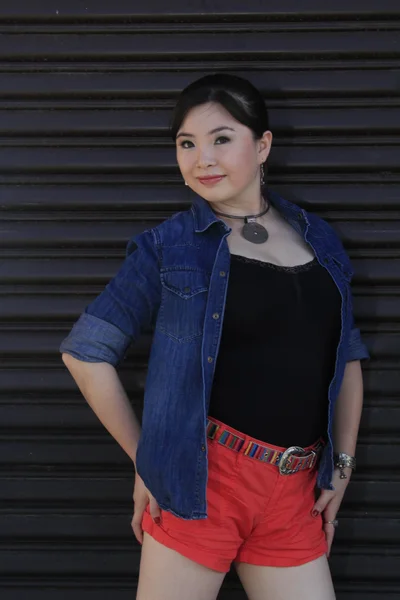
x=264, y=148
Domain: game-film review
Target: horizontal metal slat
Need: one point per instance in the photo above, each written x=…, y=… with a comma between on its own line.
x=74, y=269
x=64, y=305
x=36, y=376
x=55, y=494
x=47, y=347
x=33, y=588
x=145, y=159
x=99, y=197
x=125, y=562
x=74, y=527
x=115, y=121
x=85, y=492
x=114, y=234
x=74, y=8
x=62, y=561
x=75, y=451
x=57, y=379
x=33, y=377
x=146, y=46
x=98, y=230
x=59, y=524
x=377, y=308
x=46, y=588
x=79, y=418
x=19, y=341
x=103, y=450
x=156, y=84
x=48, y=199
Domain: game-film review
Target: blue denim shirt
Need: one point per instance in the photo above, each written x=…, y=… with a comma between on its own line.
x=175, y=278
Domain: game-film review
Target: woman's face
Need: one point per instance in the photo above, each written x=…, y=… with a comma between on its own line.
x=211, y=142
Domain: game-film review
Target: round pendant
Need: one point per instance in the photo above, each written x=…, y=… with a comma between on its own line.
x=255, y=233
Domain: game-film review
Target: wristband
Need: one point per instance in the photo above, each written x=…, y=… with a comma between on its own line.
x=343, y=460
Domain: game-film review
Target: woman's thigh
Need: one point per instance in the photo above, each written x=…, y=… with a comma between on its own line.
x=311, y=581
x=167, y=575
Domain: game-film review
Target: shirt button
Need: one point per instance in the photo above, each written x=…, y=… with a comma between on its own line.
x=203, y=448
x=216, y=316
x=210, y=359
x=222, y=273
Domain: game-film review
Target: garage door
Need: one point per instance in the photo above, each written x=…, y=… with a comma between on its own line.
x=86, y=90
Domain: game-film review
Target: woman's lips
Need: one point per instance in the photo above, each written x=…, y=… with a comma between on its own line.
x=211, y=180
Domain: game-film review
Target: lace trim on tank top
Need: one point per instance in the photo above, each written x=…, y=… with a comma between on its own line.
x=295, y=269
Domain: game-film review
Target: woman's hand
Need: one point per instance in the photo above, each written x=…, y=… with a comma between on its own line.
x=329, y=503
x=141, y=498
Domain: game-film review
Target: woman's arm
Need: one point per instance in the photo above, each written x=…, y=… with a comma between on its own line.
x=98, y=342
x=345, y=430
x=103, y=391
x=100, y=338
x=348, y=410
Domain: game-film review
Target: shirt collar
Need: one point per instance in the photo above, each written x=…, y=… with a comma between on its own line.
x=204, y=216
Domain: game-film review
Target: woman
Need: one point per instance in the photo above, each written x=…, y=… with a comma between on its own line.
x=230, y=450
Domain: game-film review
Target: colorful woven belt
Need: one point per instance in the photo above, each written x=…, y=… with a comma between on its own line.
x=288, y=461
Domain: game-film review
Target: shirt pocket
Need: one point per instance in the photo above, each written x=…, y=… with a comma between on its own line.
x=183, y=303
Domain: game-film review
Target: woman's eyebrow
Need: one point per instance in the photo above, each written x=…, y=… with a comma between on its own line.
x=182, y=133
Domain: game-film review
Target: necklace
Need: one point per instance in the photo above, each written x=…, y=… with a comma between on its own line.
x=251, y=231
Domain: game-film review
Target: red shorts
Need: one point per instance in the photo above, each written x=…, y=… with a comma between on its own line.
x=255, y=514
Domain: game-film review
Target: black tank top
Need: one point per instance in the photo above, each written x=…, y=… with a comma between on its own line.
x=277, y=352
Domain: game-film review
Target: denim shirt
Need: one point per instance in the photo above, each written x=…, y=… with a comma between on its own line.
x=174, y=279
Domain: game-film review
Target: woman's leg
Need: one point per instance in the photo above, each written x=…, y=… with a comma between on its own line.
x=167, y=575
x=311, y=581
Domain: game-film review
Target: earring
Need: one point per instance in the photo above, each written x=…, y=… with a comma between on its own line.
x=186, y=183
x=262, y=174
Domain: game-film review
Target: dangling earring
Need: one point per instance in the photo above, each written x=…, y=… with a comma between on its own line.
x=262, y=174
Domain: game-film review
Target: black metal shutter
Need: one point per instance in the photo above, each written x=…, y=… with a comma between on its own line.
x=86, y=89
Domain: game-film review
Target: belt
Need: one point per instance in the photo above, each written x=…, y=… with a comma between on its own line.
x=288, y=461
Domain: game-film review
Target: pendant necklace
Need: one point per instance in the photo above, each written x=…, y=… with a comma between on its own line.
x=251, y=231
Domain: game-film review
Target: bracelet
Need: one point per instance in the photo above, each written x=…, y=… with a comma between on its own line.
x=343, y=460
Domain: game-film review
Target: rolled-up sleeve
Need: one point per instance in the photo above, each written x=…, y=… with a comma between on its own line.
x=356, y=349
x=95, y=340
x=128, y=304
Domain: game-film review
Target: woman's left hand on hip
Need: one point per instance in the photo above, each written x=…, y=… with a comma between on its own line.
x=329, y=503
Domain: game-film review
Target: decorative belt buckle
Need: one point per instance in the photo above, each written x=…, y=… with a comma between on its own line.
x=286, y=458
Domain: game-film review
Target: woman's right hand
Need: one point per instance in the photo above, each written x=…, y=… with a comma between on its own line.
x=141, y=498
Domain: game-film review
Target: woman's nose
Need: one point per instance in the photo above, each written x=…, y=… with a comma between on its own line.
x=205, y=158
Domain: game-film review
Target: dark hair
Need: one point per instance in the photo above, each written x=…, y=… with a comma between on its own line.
x=236, y=94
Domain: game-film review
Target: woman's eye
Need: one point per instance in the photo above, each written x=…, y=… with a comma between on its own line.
x=222, y=139
x=186, y=142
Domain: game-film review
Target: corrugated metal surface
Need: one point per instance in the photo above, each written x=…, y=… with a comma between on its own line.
x=86, y=90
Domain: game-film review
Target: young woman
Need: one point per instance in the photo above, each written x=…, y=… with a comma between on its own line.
x=254, y=388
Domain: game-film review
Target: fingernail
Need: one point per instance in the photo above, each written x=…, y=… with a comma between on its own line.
x=315, y=513
x=157, y=520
